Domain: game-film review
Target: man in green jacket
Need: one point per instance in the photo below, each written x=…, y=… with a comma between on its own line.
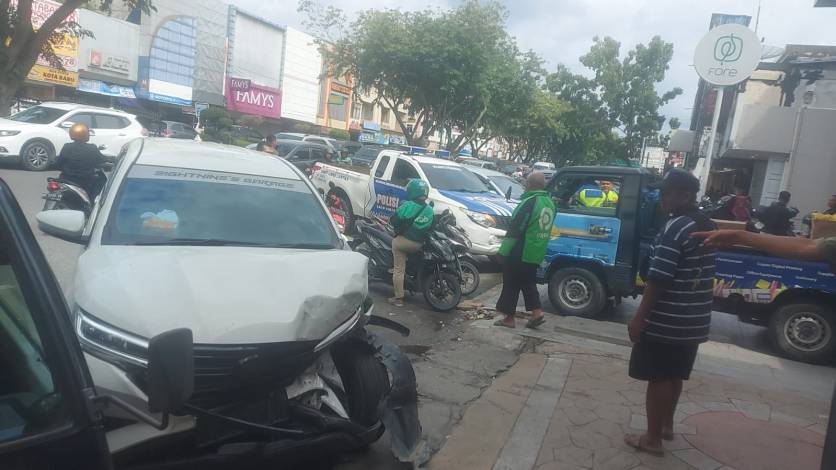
x=523, y=250
x=411, y=223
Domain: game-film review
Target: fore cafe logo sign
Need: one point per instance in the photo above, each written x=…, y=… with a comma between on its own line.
x=727, y=55
x=247, y=97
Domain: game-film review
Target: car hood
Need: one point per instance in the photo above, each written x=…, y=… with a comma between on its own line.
x=486, y=203
x=6, y=124
x=225, y=295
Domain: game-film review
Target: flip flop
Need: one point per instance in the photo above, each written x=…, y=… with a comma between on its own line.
x=500, y=322
x=635, y=441
x=535, y=322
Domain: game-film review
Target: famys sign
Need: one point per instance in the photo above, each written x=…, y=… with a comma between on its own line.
x=246, y=97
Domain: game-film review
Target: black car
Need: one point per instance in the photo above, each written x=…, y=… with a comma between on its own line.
x=171, y=129
x=302, y=154
x=367, y=155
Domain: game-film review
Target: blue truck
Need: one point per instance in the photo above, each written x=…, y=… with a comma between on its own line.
x=594, y=256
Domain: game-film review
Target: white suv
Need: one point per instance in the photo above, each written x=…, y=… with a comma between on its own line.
x=36, y=135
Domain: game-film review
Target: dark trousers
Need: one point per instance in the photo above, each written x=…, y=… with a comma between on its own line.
x=518, y=276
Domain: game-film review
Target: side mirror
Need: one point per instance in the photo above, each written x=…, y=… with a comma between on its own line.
x=67, y=225
x=92, y=132
x=170, y=370
x=66, y=124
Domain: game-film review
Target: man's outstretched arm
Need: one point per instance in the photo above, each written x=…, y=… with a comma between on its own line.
x=788, y=247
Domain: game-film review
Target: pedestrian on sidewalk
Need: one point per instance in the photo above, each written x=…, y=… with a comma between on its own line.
x=523, y=250
x=674, y=315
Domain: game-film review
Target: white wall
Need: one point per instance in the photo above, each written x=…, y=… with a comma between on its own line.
x=112, y=37
x=256, y=51
x=300, y=77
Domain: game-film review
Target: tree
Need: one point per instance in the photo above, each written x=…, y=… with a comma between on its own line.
x=536, y=133
x=217, y=125
x=447, y=68
x=674, y=123
x=627, y=87
x=24, y=42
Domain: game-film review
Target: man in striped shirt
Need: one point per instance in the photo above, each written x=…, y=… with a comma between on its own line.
x=675, y=312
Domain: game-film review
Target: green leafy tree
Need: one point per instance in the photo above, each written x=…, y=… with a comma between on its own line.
x=674, y=123
x=535, y=134
x=627, y=87
x=22, y=43
x=217, y=125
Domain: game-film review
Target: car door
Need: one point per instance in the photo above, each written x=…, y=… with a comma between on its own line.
x=47, y=419
x=581, y=231
x=390, y=190
x=300, y=156
x=111, y=132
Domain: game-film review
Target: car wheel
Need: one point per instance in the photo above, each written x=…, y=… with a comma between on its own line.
x=365, y=380
x=577, y=291
x=37, y=155
x=804, y=332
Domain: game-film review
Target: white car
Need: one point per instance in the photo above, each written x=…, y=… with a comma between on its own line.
x=500, y=182
x=238, y=247
x=332, y=144
x=36, y=135
x=546, y=168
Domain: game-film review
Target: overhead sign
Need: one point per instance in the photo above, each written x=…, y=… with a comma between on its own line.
x=109, y=62
x=250, y=98
x=727, y=55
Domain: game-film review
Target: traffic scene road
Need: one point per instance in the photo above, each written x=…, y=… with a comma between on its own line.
x=462, y=235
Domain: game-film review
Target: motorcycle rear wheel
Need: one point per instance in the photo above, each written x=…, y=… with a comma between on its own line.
x=442, y=290
x=470, y=277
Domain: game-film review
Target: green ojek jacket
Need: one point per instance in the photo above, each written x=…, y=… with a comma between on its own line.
x=532, y=224
x=423, y=215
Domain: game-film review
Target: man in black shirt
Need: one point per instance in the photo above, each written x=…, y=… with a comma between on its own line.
x=777, y=217
x=79, y=160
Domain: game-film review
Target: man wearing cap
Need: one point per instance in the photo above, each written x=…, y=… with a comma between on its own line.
x=675, y=311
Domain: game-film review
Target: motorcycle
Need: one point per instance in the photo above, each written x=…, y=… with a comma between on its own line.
x=434, y=270
x=67, y=194
x=461, y=244
x=335, y=208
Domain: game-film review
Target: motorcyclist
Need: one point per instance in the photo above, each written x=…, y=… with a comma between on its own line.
x=411, y=222
x=79, y=160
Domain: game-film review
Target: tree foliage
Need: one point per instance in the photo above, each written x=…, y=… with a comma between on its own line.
x=22, y=43
x=217, y=125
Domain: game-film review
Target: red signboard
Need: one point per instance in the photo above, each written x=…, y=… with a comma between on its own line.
x=246, y=97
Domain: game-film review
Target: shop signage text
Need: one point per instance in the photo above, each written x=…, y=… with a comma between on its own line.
x=246, y=97
x=66, y=48
x=340, y=88
x=109, y=62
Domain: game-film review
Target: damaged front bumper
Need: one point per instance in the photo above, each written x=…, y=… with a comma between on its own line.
x=294, y=428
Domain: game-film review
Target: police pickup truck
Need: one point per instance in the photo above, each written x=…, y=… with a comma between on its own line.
x=594, y=256
x=377, y=192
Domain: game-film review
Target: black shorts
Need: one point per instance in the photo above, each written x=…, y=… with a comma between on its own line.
x=652, y=360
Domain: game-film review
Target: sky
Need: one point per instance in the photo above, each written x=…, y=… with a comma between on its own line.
x=560, y=31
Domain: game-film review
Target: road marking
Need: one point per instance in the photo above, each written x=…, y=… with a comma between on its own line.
x=523, y=445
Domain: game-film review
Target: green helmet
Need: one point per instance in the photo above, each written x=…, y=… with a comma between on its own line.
x=416, y=188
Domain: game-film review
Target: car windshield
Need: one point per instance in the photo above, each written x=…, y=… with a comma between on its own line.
x=176, y=206
x=453, y=178
x=38, y=115
x=505, y=182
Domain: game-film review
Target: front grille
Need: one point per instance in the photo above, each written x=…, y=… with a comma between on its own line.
x=221, y=370
x=502, y=221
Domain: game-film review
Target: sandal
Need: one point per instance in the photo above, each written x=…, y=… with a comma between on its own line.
x=397, y=302
x=535, y=322
x=501, y=322
x=637, y=442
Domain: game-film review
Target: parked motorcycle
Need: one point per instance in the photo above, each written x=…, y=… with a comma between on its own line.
x=67, y=194
x=446, y=223
x=434, y=270
x=337, y=211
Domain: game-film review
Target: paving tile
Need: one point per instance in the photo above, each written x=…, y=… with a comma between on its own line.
x=587, y=438
x=579, y=416
x=718, y=406
x=697, y=459
x=634, y=397
x=678, y=443
x=638, y=422
x=753, y=410
x=665, y=462
x=614, y=459
x=690, y=408
x=611, y=412
x=778, y=416
x=818, y=428
x=574, y=457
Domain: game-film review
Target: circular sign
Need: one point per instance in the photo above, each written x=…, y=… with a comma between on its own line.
x=727, y=55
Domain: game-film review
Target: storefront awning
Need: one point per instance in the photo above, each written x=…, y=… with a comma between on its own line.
x=90, y=85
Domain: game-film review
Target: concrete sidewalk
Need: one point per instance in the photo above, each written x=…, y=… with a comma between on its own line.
x=567, y=404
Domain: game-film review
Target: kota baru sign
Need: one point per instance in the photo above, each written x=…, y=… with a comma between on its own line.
x=727, y=55
x=249, y=98
x=65, y=48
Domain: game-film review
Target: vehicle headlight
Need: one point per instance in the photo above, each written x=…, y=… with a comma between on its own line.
x=106, y=342
x=485, y=220
x=8, y=133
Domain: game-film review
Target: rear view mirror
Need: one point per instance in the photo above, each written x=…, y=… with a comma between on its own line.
x=170, y=370
x=67, y=225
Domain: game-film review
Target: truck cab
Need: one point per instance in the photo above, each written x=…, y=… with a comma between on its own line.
x=598, y=237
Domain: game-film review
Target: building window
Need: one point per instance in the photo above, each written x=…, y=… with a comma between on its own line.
x=337, y=106
x=385, y=115
x=368, y=112
x=357, y=110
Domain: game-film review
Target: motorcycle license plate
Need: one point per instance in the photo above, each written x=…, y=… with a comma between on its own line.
x=52, y=196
